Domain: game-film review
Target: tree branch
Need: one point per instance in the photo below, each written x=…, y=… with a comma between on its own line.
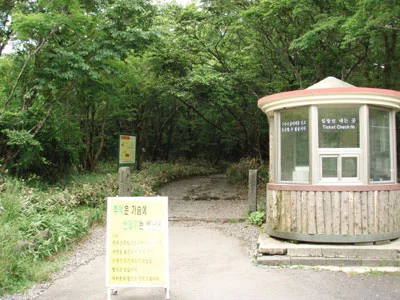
x=207, y=120
x=103, y=127
x=44, y=41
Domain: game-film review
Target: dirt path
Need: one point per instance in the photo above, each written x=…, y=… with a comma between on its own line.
x=206, y=198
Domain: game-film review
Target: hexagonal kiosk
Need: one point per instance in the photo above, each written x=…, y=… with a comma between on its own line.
x=333, y=176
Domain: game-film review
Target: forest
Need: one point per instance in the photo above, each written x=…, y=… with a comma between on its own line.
x=185, y=79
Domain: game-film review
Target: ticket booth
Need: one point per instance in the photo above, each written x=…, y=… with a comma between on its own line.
x=333, y=174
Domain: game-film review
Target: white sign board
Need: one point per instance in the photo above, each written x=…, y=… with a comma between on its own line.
x=137, y=242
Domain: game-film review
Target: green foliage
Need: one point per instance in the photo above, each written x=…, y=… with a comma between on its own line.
x=184, y=79
x=20, y=138
x=64, y=78
x=256, y=217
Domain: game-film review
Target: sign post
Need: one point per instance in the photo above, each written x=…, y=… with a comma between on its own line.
x=137, y=243
x=127, y=150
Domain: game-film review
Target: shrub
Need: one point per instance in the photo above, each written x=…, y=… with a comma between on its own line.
x=238, y=173
x=153, y=175
x=36, y=223
x=256, y=217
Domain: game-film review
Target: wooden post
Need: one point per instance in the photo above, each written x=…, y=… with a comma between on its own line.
x=252, y=190
x=124, y=182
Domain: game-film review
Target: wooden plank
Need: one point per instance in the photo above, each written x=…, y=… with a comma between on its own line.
x=336, y=212
x=288, y=211
x=357, y=213
x=320, y=217
x=351, y=212
x=278, y=211
x=396, y=207
x=293, y=201
x=311, y=213
x=364, y=212
x=397, y=210
x=268, y=208
x=304, y=213
x=344, y=213
x=383, y=199
x=371, y=212
x=391, y=211
x=386, y=214
x=274, y=214
x=376, y=212
x=381, y=211
x=327, y=202
x=283, y=211
x=299, y=210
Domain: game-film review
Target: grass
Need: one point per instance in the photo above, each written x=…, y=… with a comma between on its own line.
x=38, y=222
x=374, y=272
x=35, y=225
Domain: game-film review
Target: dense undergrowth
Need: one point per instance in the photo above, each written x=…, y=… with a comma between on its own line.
x=237, y=173
x=38, y=221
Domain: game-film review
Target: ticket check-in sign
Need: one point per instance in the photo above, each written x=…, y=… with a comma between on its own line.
x=137, y=243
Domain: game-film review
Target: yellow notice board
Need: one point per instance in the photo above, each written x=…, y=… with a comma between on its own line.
x=127, y=149
x=137, y=242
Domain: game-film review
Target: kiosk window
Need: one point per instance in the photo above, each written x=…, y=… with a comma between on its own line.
x=294, y=146
x=379, y=145
x=339, y=143
x=349, y=167
x=339, y=167
x=329, y=167
x=338, y=127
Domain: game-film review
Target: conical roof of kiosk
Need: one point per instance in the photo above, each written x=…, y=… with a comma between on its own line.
x=331, y=91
